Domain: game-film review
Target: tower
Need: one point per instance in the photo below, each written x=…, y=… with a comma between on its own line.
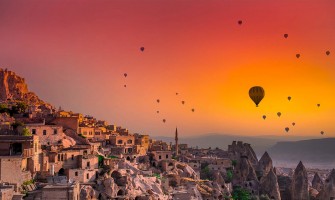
x=176, y=139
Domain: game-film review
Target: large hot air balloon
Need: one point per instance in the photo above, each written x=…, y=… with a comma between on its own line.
x=285, y=35
x=289, y=98
x=256, y=93
x=293, y=124
x=297, y=55
x=264, y=117
x=287, y=129
x=125, y=74
x=279, y=114
x=142, y=49
x=239, y=22
x=327, y=53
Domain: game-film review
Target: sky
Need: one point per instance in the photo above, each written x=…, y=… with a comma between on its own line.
x=73, y=54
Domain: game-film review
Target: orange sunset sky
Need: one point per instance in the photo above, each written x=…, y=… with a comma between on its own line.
x=74, y=54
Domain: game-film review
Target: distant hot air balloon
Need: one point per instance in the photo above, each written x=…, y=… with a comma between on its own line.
x=256, y=93
x=289, y=98
x=297, y=55
x=318, y=105
x=164, y=120
x=176, y=93
x=322, y=132
x=157, y=111
x=264, y=117
x=287, y=129
x=293, y=124
x=239, y=22
x=142, y=49
x=124, y=85
x=279, y=114
x=158, y=100
x=183, y=102
x=327, y=53
x=125, y=74
x=285, y=35
x=192, y=109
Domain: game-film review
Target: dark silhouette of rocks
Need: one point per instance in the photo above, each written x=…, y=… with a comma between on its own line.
x=317, y=182
x=265, y=164
x=269, y=185
x=300, y=183
x=328, y=190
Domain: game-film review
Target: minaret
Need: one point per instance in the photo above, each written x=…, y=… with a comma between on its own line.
x=176, y=139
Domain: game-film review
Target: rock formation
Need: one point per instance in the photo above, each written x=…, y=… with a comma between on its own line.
x=317, y=182
x=269, y=185
x=265, y=164
x=328, y=190
x=300, y=183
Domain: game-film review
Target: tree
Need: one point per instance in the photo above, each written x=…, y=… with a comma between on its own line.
x=234, y=163
x=241, y=194
x=26, y=132
x=229, y=176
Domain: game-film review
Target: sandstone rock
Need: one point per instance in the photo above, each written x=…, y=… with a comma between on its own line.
x=269, y=185
x=300, y=183
x=265, y=164
x=317, y=182
x=328, y=190
x=87, y=192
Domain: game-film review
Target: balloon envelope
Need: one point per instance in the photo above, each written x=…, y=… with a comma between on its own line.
x=285, y=35
x=164, y=120
x=318, y=105
x=289, y=98
x=192, y=109
x=287, y=129
x=322, y=132
x=297, y=55
x=256, y=94
x=293, y=124
x=125, y=74
x=239, y=22
x=327, y=53
x=183, y=102
x=142, y=48
x=264, y=116
x=279, y=114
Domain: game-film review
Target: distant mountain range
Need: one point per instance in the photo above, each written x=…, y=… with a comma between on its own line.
x=318, y=153
x=284, y=151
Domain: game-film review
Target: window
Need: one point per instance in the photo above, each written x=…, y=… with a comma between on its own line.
x=88, y=164
x=119, y=142
x=160, y=157
x=55, y=131
x=44, y=132
x=72, y=157
x=58, y=157
x=167, y=156
x=33, y=131
x=84, y=133
x=76, y=173
x=87, y=176
x=129, y=141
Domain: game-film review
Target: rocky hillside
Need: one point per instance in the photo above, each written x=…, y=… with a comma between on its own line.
x=14, y=88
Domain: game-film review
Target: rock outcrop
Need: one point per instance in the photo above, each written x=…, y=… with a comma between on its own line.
x=317, y=182
x=300, y=183
x=269, y=185
x=328, y=190
x=265, y=164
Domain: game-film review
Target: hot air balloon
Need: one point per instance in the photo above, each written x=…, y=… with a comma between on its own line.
x=264, y=117
x=293, y=124
x=256, y=93
x=176, y=93
x=322, y=132
x=125, y=74
x=158, y=100
x=285, y=35
x=192, y=109
x=289, y=98
x=142, y=49
x=279, y=114
x=327, y=53
x=239, y=22
x=318, y=105
x=164, y=120
x=287, y=129
x=297, y=55
x=183, y=102
x=124, y=85
x=157, y=111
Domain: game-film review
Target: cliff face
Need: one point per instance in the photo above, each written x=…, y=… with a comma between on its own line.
x=14, y=88
x=300, y=183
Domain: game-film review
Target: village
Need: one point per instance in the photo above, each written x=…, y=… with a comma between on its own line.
x=49, y=153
